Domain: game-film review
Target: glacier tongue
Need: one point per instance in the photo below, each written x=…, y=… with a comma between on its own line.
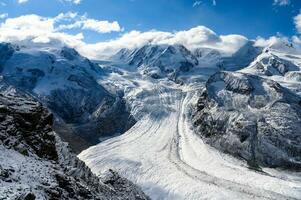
x=163, y=155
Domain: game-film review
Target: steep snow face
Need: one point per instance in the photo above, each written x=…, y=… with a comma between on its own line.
x=159, y=61
x=251, y=117
x=163, y=155
x=242, y=58
x=207, y=54
x=67, y=83
x=283, y=46
x=35, y=164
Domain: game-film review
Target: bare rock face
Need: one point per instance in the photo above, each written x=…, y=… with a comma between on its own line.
x=36, y=164
x=25, y=124
x=252, y=118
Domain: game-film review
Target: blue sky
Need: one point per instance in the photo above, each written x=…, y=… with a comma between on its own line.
x=250, y=18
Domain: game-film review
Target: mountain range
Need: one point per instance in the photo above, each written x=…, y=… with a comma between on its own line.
x=166, y=122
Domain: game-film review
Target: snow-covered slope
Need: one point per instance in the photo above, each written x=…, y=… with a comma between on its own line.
x=67, y=83
x=208, y=57
x=36, y=164
x=242, y=58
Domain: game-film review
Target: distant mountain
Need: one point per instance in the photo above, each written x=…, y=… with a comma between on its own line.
x=242, y=57
x=207, y=54
x=269, y=64
x=159, y=61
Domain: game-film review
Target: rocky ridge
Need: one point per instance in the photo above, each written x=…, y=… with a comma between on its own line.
x=36, y=164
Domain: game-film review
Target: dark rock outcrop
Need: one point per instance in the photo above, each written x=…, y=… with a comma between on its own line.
x=25, y=124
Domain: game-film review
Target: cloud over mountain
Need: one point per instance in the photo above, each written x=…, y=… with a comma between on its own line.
x=39, y=30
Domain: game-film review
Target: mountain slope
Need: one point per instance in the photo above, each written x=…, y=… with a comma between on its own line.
x=252, y=118
x=68, y=84
x=36, y=164
x=242, y=57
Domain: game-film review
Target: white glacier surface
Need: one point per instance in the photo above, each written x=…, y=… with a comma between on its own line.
x=163, y=155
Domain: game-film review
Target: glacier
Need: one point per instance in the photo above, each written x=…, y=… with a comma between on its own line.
x=162, y=152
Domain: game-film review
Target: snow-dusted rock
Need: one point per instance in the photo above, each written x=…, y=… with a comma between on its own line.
x=252, y=118
x=268, y=64
x=36, y=164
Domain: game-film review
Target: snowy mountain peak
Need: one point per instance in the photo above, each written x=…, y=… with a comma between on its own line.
x=69, y=53
x=159, y=61
x=282, y=45
x=269, y=64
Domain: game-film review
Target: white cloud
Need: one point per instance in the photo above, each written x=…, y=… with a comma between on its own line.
x=66, y=16
x=85, y=23
x=193, y=38
x=3, y=15
x=281, y=2
x=196, y=3
x=101, y=26
x=73, y=1
x=34, y=29
x=297, y=21
x=262, y=42
x=74, y=25
x=22, y=1
x=281, y=43
x=37, y=30
x=34, y=23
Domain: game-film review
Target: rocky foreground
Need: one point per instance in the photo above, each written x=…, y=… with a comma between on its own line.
x=36, y=164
